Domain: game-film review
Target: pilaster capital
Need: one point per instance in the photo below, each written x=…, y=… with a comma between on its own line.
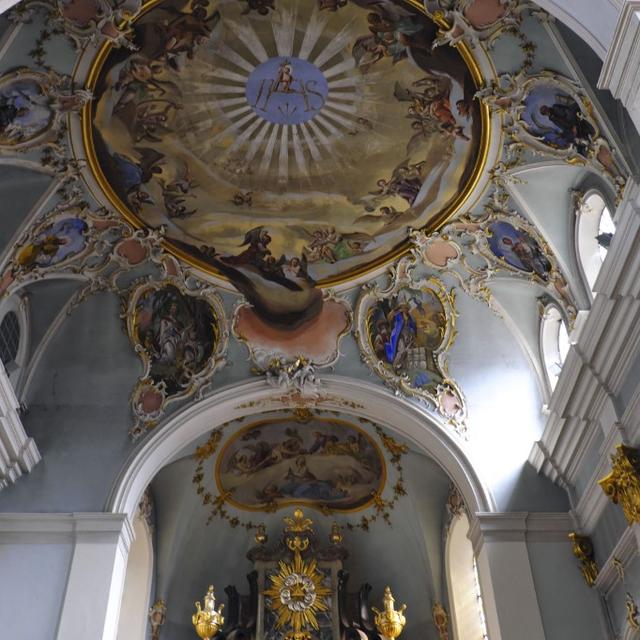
x=519, y=526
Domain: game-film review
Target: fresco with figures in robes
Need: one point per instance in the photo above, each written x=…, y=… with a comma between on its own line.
x=284, y=144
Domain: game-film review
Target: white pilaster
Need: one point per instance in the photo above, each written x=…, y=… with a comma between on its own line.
x=95, y=546
x=511, y=605
x=620, y=70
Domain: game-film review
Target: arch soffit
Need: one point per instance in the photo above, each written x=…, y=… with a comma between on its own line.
x=592, y=20
x=357, y=397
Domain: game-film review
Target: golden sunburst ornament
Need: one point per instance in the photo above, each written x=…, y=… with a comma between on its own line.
x=297, y=593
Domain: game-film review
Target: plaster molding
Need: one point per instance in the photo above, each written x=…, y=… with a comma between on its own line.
x=620, y=70
x=624, y=551
x=520, y=526
x=18, y=453
x=360, y=398
x=47, y=528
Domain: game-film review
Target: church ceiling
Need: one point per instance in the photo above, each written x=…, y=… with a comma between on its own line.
x=288, y=182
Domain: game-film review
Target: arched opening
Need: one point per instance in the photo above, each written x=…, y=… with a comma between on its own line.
x=467, y=608
x=136, y=594
x=594, y=230
x=554, y=343
x=168, y=453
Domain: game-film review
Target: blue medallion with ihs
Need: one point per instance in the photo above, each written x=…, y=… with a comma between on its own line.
x=287, y=90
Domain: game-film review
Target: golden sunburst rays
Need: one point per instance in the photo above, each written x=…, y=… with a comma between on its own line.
x=297, y=595
x=220, y=123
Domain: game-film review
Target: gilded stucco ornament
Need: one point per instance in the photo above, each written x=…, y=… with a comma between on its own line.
x=622, y=485
x=632, y=611
x=404, y=332
x=34, y=107
x=82, y=21
x=583, y=550
x=440, y=620
x=296, y=447
x=180, y=333
x=69, y=238
x=475, y=21
x=497, y=243
x=552, y=116
x=298, y=376
x=157, y=617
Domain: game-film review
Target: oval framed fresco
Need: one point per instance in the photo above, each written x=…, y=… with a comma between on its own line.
x=281, y=140
x=326, y=464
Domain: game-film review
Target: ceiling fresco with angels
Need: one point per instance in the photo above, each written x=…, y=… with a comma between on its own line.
x=289, y=143
x=290, y=147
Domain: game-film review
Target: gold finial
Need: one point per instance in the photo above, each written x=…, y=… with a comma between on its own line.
x=389, y=622
x=336, y=536
x=207, y=621
x=298, y=524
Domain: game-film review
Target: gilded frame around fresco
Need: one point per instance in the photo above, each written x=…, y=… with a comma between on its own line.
x=446, y=398
x=404, y=248
x=507, y=94
x=145, y=418
x=312, y=504
x=58, y=100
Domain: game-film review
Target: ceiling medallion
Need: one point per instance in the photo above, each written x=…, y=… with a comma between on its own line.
x=294, y=148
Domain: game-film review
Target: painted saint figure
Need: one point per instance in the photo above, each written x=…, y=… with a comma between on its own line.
x=284, y=78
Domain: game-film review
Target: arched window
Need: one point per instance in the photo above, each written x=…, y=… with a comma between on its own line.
x=9, y=339
x=465, y=598
x=554, y=339
x=14, y=339
x=595, y=229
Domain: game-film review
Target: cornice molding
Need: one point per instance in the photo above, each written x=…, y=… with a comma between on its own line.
x=620, y=70
x=46, y=528
x=520, y=526
x=624, y=551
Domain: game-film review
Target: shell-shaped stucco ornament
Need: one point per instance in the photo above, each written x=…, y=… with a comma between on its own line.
x=181, y=336
x=404, y=332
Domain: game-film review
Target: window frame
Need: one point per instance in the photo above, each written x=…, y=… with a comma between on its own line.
x=582, y=235
x=17, y=370
x=552, y=320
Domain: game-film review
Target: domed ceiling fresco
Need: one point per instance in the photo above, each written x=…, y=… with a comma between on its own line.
x=300, y=181
x=301, y=201
x=283, y=146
